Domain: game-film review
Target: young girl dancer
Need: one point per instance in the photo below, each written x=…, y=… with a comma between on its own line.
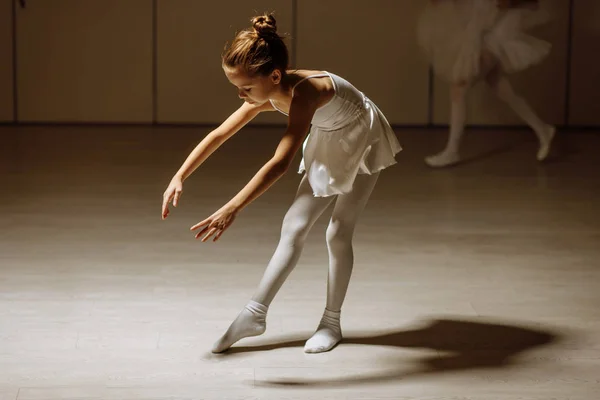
x=470, y=40
x=350, y=142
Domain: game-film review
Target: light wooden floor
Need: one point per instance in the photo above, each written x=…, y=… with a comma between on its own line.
x=476, y=282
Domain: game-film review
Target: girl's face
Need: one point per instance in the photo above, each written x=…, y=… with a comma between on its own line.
x=253, y=89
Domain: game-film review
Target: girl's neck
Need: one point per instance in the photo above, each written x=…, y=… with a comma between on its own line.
x=284, y=91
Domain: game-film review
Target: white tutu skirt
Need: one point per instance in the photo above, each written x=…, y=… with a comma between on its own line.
x=455, y=33
x=332, y=159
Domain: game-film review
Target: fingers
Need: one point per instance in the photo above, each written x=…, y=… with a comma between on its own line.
x=209, y=226
x=200, y=224
x=203, y=231
x=211, y=232
x=176, y=198
x=165, y=204
x=172, y=193
x=212, y=228
x=219, y=233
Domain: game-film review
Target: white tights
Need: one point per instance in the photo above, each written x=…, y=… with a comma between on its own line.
x=298, y=221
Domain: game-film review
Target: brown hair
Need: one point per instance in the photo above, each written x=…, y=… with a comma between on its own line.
x=259, y=49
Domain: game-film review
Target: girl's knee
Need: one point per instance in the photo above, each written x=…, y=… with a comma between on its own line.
x=339, y=233
x=294, y=230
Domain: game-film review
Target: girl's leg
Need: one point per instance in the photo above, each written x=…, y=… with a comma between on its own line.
x=299, y=219
x=346, y=212
x=458, y=117
x=499, y=83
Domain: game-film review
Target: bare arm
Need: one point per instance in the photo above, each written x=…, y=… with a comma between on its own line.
x=301, y=112
x=217, y=137
x=207, y=146
x=303, y=107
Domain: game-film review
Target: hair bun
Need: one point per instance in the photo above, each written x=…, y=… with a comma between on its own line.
x=265, y=25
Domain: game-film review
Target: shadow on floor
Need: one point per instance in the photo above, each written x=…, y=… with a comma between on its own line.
x=466, y=345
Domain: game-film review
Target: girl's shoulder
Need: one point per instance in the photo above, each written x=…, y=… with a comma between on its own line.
x=313, y=85
x=311, y=79
x=298, y=75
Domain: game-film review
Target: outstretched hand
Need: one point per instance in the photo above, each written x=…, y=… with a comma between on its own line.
x=173, y=192
x=216, y=224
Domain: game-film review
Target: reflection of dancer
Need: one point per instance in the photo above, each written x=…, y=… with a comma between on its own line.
x=469, y=40
x=350, y=142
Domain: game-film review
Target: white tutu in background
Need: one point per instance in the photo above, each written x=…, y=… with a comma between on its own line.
x=455, y=33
